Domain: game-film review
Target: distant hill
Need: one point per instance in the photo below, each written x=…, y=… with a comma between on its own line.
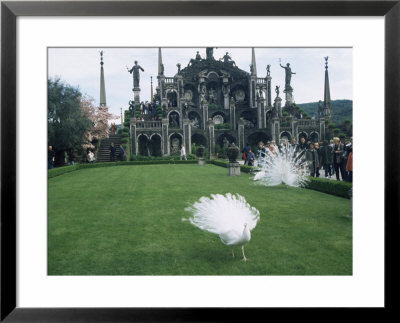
x=341, y=110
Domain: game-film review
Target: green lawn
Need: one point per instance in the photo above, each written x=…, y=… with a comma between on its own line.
x=126, y=220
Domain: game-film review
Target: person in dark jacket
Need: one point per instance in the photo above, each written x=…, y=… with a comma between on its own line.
x=245, y=151
x=121, y=154
x=349, y=165
x=317, y=148
x=301, y=148
x=250, y=158
x=338, y=150
x=312, y=159
x=51, y=156
x=348, y=149
x=112, y=152
x=326, y=158
x=303, y=144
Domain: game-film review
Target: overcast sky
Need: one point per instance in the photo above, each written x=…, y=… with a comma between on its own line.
x=80, y=67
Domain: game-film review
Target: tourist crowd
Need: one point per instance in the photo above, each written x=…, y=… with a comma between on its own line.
x=148, y=108
x=334, y=157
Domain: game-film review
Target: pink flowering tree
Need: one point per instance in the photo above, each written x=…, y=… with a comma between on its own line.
x=99, y=117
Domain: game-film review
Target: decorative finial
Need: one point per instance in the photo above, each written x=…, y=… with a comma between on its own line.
x=101, y=57
x=326, y=62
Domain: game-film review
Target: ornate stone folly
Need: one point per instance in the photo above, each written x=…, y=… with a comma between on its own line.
x=213, y=103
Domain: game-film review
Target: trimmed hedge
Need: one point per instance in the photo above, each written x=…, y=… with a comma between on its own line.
x=172, y=157
x=219, y=163
x=67, y=169
x=223, y=163
x=329, y=186
x=61, y=170
x=337, y=188
x=223, y=126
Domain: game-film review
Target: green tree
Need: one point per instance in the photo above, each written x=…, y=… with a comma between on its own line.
x=68, y=123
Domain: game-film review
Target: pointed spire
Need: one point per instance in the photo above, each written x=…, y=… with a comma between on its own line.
x=151, y=89
x=160, y=63
x=327, y=93
x=102, y=83
x=253, y=63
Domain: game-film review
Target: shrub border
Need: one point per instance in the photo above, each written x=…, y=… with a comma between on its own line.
x=338, y=188
x=332, y=187
x=67, y=169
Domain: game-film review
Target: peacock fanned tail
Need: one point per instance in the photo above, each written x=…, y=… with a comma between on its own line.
x=223, y=213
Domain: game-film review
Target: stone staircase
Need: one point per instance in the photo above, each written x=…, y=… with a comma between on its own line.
x=103, y=154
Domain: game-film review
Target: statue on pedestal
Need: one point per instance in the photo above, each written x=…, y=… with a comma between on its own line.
x=203, y=92
x=211, y=95
x=277, y=90
x=184, y=110
x=225, y=142
x=225, y=90
x=232, y=101
x=136, y=77
x=173, y=120
x=209, y=52
x=195, y=123
x=227, y=59
x=288, y=75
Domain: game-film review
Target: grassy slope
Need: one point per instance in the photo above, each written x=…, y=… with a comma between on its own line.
x=127, y=221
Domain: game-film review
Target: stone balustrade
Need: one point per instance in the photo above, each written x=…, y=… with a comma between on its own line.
x=148, y=124
x=308, y=122
x=169, y=80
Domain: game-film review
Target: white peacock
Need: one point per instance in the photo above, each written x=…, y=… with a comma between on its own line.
x=229, y=216
x=281, y=165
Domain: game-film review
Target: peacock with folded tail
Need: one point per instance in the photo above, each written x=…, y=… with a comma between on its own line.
x=229, y=216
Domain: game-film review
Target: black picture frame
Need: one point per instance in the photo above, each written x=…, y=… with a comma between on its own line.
x=10, y=10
